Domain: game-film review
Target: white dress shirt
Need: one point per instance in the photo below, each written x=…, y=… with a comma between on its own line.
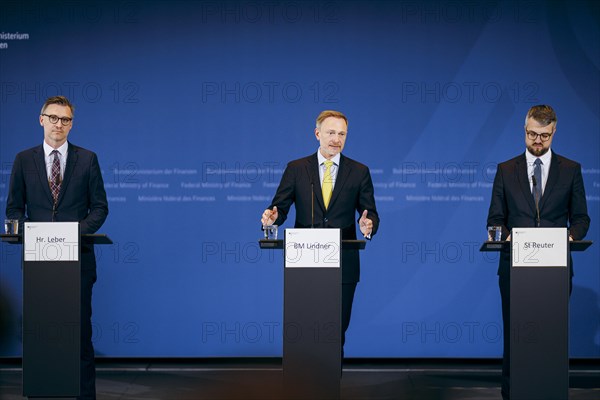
x=546, y=159
x=334, y=167
x=62, y=156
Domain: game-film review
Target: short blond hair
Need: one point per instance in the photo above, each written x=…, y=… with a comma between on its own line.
x=61, y=101
x=330, y=113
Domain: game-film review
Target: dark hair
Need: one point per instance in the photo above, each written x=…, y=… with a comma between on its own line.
x=543, y=114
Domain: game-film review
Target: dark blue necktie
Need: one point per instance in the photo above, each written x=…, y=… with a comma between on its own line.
x=537, y=174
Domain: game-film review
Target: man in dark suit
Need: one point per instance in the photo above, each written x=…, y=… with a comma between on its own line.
x=529, y=193
x=339, y=187
x=58, y=181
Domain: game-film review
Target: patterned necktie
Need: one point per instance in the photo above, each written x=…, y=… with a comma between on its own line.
x=537, y=174
x=327, y=186
x=55, y=176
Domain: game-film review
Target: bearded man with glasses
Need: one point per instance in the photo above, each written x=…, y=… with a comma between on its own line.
x=536, y=188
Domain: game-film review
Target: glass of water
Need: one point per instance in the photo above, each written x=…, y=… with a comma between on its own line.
x=11, y=226
x=270, y=232
x=494, y=233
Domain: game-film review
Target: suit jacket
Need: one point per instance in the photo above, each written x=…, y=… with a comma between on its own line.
x=563, y=202
x=82, y=196
x=353, y=193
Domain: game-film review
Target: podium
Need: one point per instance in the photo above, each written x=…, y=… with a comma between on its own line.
x=539, y=311
x=51, y=306
x=312, y=348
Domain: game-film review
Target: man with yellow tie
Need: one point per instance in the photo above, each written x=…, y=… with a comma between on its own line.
x=329, y=191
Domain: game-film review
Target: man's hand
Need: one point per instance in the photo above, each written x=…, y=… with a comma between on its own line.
x=366, y=225
x=269, y=216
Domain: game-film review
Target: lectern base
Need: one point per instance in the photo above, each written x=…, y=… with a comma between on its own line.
x=539, y=329
x=52, y=398
x=51, y=328
x=312, y=347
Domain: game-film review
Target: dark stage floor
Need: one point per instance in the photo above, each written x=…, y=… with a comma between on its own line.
x=261, y=379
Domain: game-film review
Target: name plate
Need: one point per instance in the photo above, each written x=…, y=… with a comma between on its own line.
x=51, y=241
x=312, y=248
x=539, y=247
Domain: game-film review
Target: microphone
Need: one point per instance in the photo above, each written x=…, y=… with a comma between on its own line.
x=537, y=207
x=312, y=204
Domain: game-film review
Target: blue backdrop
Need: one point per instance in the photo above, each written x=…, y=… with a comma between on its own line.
x=194, y=109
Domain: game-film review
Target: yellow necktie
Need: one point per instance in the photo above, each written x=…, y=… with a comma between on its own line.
x=327, y=186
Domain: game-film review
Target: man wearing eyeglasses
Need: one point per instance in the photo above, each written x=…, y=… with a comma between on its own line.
x=58, y=181
x=536, y=188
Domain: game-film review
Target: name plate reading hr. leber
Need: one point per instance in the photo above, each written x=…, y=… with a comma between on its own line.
x=539, y=247
x=51, y=241
x=312, y=248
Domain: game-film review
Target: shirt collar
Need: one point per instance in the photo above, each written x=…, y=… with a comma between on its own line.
x=335, y=159
x=62, y=149
x=545, y=158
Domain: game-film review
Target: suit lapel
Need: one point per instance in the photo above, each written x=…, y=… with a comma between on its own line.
x=553, y=175
x=69, y=168
x=40, y=163
x=312, y=170
x=523, y=179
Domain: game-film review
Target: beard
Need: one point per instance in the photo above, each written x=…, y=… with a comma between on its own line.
x=538, y=152
x=329, y=152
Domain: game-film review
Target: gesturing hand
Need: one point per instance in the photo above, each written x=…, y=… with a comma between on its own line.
x=366, y=225
x=269, y=216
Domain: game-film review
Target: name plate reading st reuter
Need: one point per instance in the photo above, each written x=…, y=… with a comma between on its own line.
x=539, y=247
x=312, y=248
x=51, y=241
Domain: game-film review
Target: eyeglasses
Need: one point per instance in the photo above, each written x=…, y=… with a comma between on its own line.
x=54, y=119
x=533, y=136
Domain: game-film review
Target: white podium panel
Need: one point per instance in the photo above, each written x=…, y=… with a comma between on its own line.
x=539, y=247
x=51, y=241
x=312, y=248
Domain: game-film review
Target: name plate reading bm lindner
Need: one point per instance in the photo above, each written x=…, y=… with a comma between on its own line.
x=312, y=248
